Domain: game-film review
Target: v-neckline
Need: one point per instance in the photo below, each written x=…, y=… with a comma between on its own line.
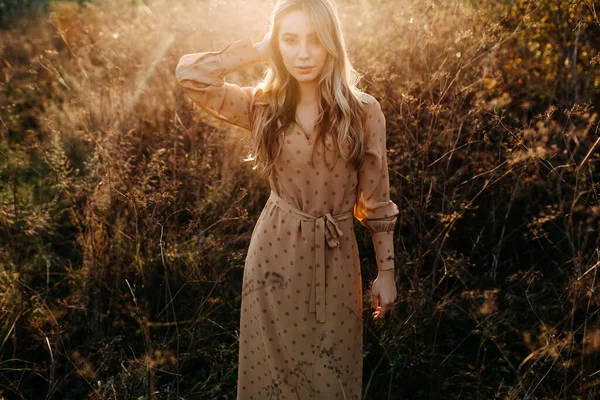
x=303, y=133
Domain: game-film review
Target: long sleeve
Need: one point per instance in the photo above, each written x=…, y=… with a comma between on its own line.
x=202, y=76
x=373, y=207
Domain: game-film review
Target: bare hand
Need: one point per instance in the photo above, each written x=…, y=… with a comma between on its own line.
x=383, y=294
x=264, y=47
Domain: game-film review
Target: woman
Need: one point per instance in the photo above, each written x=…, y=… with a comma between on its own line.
x=322, y=144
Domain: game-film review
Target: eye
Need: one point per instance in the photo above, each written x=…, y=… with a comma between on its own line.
x=288, y=40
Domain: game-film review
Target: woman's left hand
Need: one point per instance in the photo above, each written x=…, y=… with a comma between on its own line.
x=383, y=294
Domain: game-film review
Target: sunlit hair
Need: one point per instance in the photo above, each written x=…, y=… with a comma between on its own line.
x=275, y=97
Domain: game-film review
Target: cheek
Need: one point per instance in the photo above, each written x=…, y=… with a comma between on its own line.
x=322, y=57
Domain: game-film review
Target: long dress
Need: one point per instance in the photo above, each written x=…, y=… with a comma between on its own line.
x=301, y=323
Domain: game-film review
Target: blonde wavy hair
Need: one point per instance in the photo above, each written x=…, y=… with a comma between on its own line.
x=274, y=99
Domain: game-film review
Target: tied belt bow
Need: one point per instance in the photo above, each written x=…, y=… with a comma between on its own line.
x=326, y=229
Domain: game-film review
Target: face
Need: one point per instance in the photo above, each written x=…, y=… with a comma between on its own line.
x=299, y=46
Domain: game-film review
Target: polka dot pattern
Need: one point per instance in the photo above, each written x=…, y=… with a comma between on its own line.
x=301, y=326
x=277, y=326
x=202, y=77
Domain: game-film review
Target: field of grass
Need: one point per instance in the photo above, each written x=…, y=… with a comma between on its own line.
x=126, y=211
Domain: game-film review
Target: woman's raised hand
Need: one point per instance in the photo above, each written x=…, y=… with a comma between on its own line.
x=264, y=47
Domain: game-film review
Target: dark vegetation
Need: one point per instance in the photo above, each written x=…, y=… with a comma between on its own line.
x=125, y=211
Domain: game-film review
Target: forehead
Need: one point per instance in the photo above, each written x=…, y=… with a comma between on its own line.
x=296, y=23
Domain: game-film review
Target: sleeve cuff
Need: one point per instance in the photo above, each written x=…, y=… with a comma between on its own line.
x=239, y=54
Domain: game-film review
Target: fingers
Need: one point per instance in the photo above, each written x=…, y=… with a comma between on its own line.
x=375, y=305
x=383, y=309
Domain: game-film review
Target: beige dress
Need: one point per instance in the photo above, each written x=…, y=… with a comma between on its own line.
x=301, y=323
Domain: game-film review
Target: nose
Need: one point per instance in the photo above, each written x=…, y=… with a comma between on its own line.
x=303, y=55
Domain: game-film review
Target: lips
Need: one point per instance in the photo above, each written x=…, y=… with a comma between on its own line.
x=304, y=70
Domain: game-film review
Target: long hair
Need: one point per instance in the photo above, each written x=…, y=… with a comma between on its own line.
x=274, y=99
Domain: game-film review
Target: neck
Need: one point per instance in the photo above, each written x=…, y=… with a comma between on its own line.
x=308, y=92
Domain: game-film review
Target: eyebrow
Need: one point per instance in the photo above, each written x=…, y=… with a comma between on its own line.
x=295, y=35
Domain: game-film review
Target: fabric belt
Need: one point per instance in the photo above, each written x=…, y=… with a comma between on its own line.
x=326, y=229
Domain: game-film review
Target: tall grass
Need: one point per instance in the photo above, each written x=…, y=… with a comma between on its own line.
x=125, y=211
x=17, y=9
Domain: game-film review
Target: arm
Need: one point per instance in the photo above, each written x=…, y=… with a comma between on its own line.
x=373, y=207
x=202, y=77
x=375, y=210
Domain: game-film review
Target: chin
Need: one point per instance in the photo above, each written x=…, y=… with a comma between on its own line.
x=304, y=78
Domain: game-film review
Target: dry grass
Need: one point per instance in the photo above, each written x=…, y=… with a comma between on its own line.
x=125, y=211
